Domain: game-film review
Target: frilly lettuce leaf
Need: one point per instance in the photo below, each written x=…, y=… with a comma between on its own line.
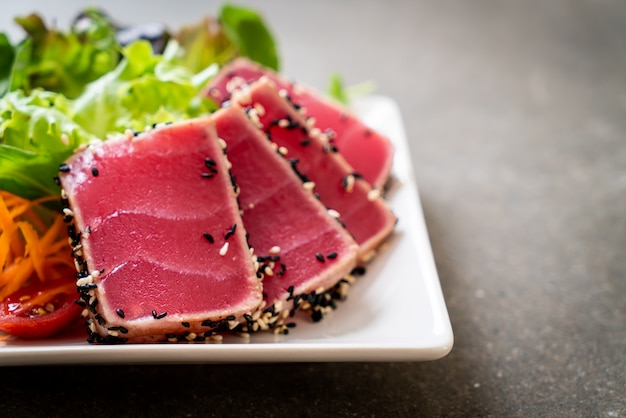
x=37, y=135
x=144, y=89
x=40, y=130
x=63, y=62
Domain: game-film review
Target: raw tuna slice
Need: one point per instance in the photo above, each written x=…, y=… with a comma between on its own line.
x=157, y=235
x=300, y=248
x=364, y=213
x=368, y=152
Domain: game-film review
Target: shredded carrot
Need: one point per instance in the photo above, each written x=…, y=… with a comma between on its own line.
x=31, y=245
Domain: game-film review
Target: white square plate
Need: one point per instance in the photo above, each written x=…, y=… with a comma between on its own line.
x=395, y=312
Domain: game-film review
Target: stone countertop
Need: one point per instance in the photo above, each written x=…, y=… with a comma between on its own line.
x=516, y=114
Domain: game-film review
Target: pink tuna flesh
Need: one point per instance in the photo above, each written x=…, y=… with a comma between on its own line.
x=311, y=249
x=148, y=208
x=366, y=216
x=368, y=152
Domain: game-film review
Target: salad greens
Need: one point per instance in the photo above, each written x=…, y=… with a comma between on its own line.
x=59, y=90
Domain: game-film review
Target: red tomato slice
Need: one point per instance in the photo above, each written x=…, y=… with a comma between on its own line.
x=40, y=309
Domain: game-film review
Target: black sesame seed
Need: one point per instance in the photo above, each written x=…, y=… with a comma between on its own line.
x=154, y=314
x=209, y=323
x=207, y=175
x=358, y=271
x=95, y=172
x=316, y=316
x=230, y=232
x=161, y=315
x=123, y=330
x=331, y=255
x=64, y=168
x=100, y=319
x=57, y=180
x=208, y=237
x=320, y=257
x=230, y=318
x=185, y=324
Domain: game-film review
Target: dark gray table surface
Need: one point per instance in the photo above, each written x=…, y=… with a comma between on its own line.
x=516, y=115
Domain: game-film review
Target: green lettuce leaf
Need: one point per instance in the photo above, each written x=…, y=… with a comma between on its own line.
x=7, y=56
x=37, y=135
x=337, y=89
x=63, y=62
x=40, y=130
x=202, y=44
x=144, y=89
x=247, y=30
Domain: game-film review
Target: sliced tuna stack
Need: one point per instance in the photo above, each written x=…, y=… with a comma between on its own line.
x=359, y=207
x=301, y=250
x=157, y=236
x=368, y=152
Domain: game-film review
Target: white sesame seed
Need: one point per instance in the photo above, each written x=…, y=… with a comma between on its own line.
x=309, y=185
x=222, y=143
x=242, y=96
x=349, y=183
x=283, y=123
x=259, y=108
x=282, y=93
x=224, y=249
x=232, y=324
x=333, y=213
x=274, y=250
x=234, y=84
x=373, y=195
x=282, y=150
x=315, y=133
x=84, y=280
x=310, y=121
x=368, y=256
x=68, y=212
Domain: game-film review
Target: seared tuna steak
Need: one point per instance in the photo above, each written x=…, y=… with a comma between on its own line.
x=300, y=248
x=157, y=235
x=368, y=152
x=364, y=213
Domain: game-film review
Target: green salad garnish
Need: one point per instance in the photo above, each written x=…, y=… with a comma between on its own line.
x=62, y=89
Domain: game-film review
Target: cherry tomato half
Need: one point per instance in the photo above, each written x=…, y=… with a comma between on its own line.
x=40, y=309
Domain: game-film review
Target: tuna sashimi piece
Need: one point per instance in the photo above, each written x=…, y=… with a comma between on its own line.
x=300, y=248
x=158, y=239
x=368, y=152
x=364, y=213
